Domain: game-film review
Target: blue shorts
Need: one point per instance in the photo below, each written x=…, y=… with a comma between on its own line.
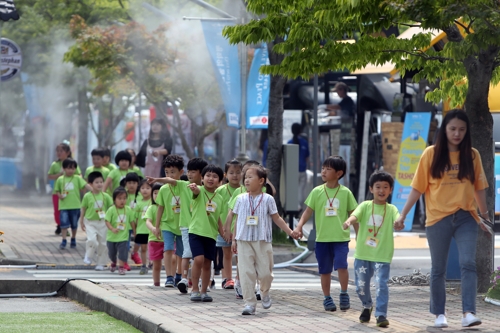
x=69, y=218
x=202, y=246
x=168, y=242
x=331, y=255
x=221, y=242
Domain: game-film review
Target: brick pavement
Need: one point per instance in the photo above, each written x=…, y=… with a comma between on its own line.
x=302, y=311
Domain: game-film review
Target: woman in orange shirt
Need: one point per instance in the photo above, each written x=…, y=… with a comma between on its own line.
x=451, y=175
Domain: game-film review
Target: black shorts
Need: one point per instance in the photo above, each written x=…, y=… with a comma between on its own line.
x=202, y=246
x=141, y=239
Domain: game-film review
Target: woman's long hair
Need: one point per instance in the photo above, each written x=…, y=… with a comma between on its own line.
x=441, y=160
x=164, y=134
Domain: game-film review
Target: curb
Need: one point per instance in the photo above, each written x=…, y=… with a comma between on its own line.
x=100, y=299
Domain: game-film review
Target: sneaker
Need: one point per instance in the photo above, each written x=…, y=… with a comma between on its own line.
x=121, y=270
x=441, y=321
x=170, y=282
x=143, y=271
x=62, y=246
x=365, y=315
x=237, y=290
x=382, y=321
x=257, y=291
x=99, y=268
x=135, y=257
x=112, y=268
x=183, y=286
x=73, y=243
x=328, y=304
x=266, y=302
x=195, y=296
x=345, y=303
x=229, y=284
x=206, y=298
x=212, y=284
x=223, y=284
x=248, y=310
x=470, y=320
x=58, y=230
x=127, y=267
x=87, y=261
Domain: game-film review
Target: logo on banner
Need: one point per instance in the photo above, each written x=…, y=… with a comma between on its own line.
x=11, y=59
x=255, y=121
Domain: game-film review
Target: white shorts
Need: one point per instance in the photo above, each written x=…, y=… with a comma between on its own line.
x=185, y=243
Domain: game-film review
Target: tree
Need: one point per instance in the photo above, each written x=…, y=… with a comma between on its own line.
x=313, y=30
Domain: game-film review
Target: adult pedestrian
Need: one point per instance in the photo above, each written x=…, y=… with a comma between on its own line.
x=346, y=106
x=303, y=160
x=451, y=175
x=155, y=148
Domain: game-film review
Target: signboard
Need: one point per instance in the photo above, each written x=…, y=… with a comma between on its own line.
x=413, y=143
x=258, y=88
x=11, y=59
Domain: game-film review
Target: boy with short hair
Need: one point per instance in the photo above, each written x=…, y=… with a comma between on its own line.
x=374, y=246
x=97, y=164
x=106, y=160
x=332, y=203
x=68, y=187
x=123, y=159
x=93, y=211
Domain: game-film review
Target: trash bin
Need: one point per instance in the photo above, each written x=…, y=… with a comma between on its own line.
x=453, y=265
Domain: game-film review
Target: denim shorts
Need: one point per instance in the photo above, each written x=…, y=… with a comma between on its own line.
x=185, y=243
x=202, y=246
x=221, y=242
x=331, y=255
x=168, y=241
x=69, y=218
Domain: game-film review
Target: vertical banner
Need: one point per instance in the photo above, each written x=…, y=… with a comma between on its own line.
x=226, y=67
x=413, y=143
x=258, y=88
x=497, y=183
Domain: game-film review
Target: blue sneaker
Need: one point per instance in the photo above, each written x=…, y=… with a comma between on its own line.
x=73, y=243
x=170, y=282
x=345, y=303
x=63, y=244
x=329, y=305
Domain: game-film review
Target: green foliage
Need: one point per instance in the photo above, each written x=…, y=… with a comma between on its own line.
x=313, y=31
x=494, y=291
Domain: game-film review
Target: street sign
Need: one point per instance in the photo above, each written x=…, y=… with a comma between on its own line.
x=11, y=59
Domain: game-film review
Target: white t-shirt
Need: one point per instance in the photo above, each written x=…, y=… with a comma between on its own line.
x=254, y=222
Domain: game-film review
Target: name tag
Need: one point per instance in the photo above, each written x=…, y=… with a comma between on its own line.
x=64, y=194
x=101, y=214
x=210, y=207
x=252, y=220
x=177, y=209
x=121, y=226
x=372, y=242
x=132, y=204
x=330, y=211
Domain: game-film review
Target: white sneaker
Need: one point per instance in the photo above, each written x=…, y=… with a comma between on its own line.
x=87, y=261
x=248, y=310
x=470, y=320
x=266, y=302
x=99, y=268
x=441, y=321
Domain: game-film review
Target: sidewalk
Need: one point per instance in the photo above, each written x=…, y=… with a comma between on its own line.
x=164, y=310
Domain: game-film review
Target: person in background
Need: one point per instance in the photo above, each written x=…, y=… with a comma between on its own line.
x=346, y=106
x=106, y=160
x=303, y=160
x=97, y=164
x=155, y=148
x=63, y=151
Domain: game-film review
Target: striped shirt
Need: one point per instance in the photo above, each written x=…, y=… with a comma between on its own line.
x=262, y=206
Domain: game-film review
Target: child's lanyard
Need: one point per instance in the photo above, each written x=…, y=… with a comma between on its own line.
x=252, y=210
x=210, y=199
x=230, y=194
x=121, y=220
x=333, y=199
x=375, y=230
x=145, y=208
x=176, y=198
x=66, y=184
x=97, y=204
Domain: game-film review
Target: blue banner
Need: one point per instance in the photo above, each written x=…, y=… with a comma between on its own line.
x=258, y=88
x=413, y=144
x=226, y=67
x=32, y=95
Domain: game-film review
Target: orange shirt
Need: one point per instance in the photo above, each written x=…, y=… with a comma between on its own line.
x=445, y=196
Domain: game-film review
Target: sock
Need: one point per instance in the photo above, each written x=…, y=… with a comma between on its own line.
x=157, y=284
x=343, y=291
x=327, y=296
x=178, y=276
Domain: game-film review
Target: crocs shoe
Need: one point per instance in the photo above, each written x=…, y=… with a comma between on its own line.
x=328, y=304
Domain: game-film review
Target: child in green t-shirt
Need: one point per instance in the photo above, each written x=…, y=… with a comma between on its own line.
x=97, y=163
x=203, y=229
x=131, y=185
x=141, y=232
x=155, y=239
x=106, y=160
x=118, y=220
x=94, y=207
x=332, y=204
x=68, y=188
x=123, y=159
x=374, y=246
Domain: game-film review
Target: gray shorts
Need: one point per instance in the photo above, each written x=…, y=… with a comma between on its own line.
x=221, y=242
x=185, y=242
x=119, y=249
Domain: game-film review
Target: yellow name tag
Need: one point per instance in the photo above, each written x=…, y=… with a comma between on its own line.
x=177, y=209
x=101, y=214
x=330, y=211
x=210, y=207
x=372, y=242
x=121, y=226
x=252, y=220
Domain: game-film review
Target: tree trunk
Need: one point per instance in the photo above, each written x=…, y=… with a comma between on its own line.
x=476, y=105
x=83, y=127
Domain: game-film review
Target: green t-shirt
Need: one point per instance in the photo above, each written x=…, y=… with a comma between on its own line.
x=140, y=216
x=137, y=171
x=116, y=176
x=110, y=167
x=104, y=171
x=375, y=241
x=119, y=218
x=203, y=222
x=56, y=167
x=226, y=192
x=151, y=215
x=331, y=211
x=133, y=199
x=71, y=187
x=95, y=203
x=175, y=200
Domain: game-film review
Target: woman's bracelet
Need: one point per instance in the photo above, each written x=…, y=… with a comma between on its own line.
x=485, y=213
